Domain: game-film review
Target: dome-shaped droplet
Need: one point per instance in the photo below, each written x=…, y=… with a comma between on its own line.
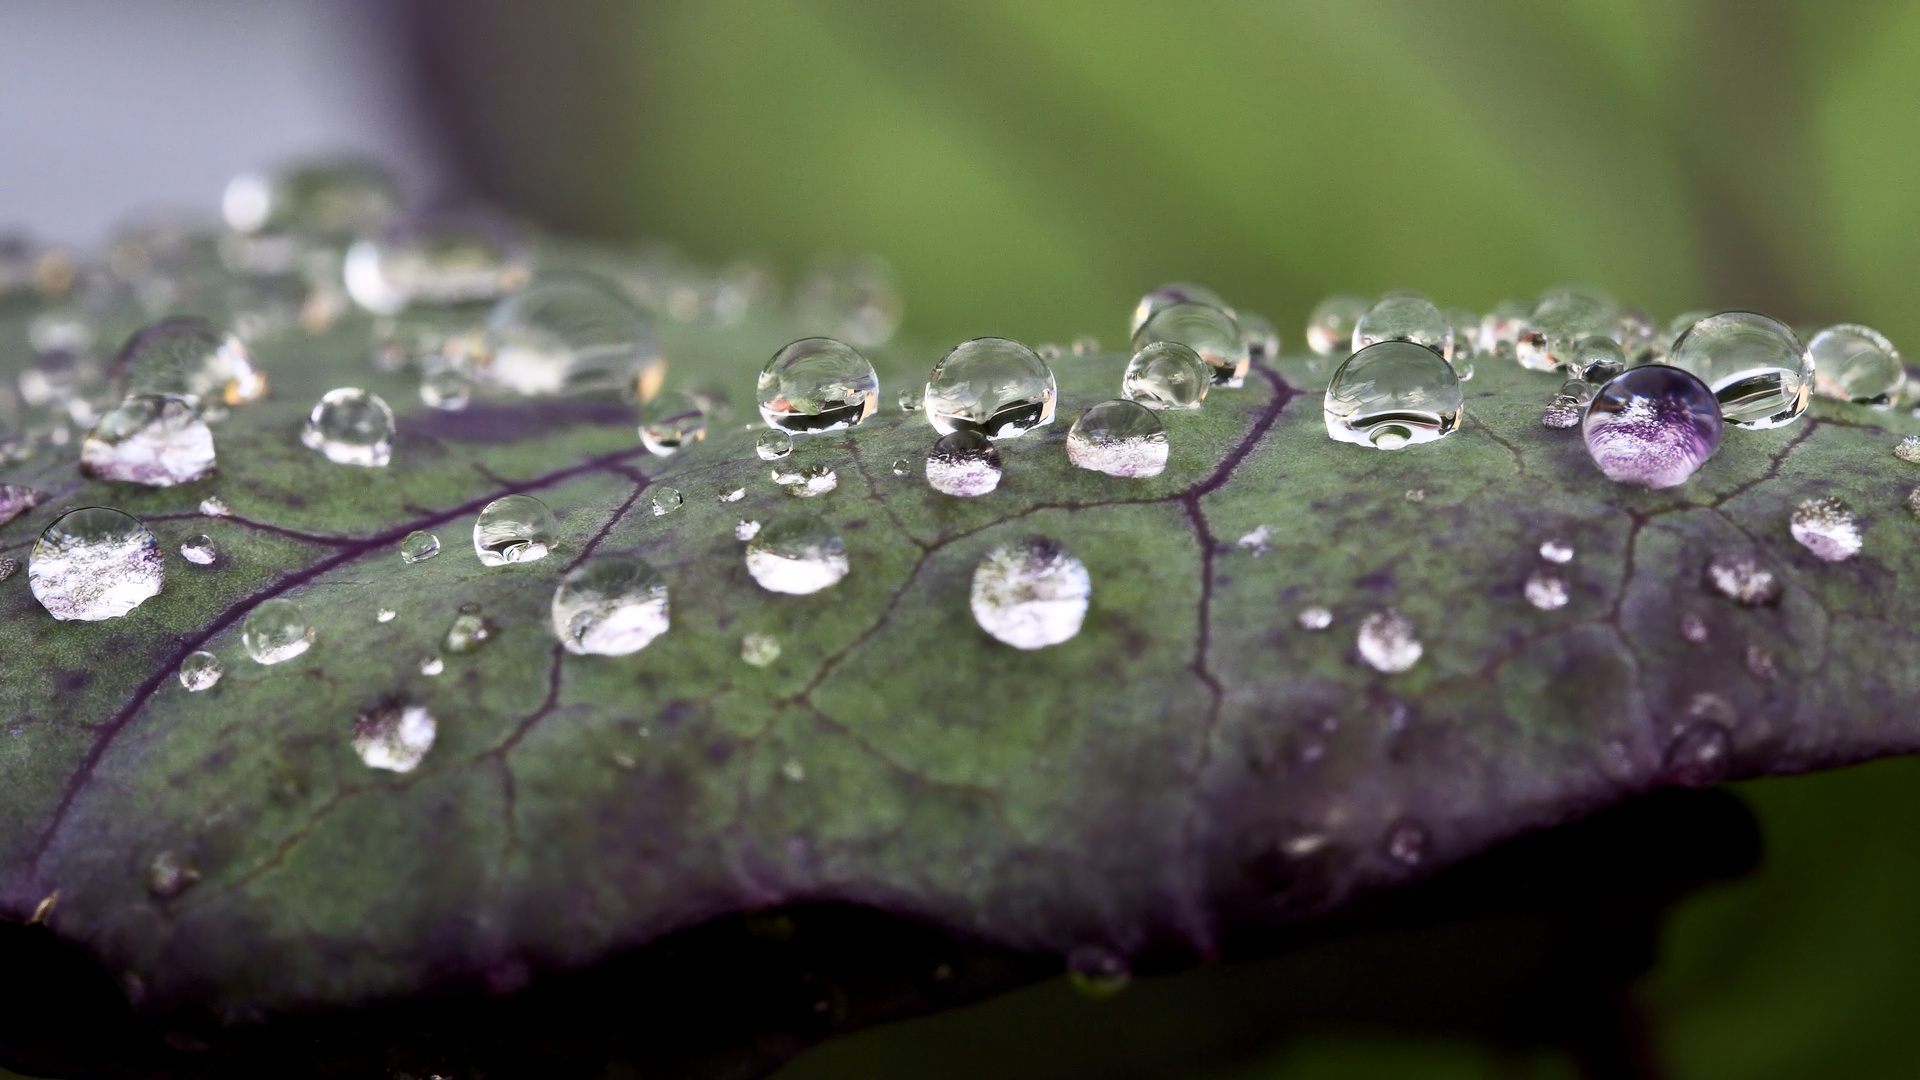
x=351, y=427
x=315, y=198
x=902, y=467
x=154, y=439
x=1166, y=375
x=437, y=260
x=773, y=445
x=963, y=464
x=1031, y=594
x=1330, y=326
x=665, y=500
x=469, y=630
x=394, y=737
x=1754, y=366
x=1119, y=438
x=1097, y=971
x=570, y=333
x=513, y=529
x=1261, y=339
x=1387, y=642
x=797, y=556
x=1559, y=321
x=189, y=357
x=1210, y=331
x=1500, y=329
x=1827, y=528
x=199, y=550
x=419, y=546
x=1402, y=317
x=1638, y=336
x=671, y=422
x=1393, y=394
x=95, y=563
x=200, y=671
x=994, y=386
x=1176, y=292
x=1856, y=363
x=760, y=650
x=1652, y=426
x=276, y=631
x=610, y=606
x=817, y=384
x=1596, y=360
x=432, y=665
x=448, y=390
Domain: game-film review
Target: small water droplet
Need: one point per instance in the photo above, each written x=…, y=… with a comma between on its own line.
x=1500, y=328
x=733, y=496
x=1827, y=528
x=419, y=546
x=806, y=481
x=1580, y=391
x=1209, y=330
x=1556, y=550
x=1314, y=618
x=1031, y=594
x=154, y=439
x=448, y=390
x=1050, y=351
x=1403, y=317
x=670, y=423
x=468, y=631
x=1259, y=336
x=1761, y=663
x=1638, y=337
x=95, y=563
x=1416, y=495
x=570, y=333
x=1330, y=326
x=1120, y=438
x=1856, y=363
x=1700, y=754
x=200, y=670
x=1740, y=577
x=1547, y=590
x=1175, y=292
x=1595, y=361
x=1694, y=628
x=1393, y=394
x=188, y=357
x=993, y=386
x=8, y=567
x=394, y=737
x=1166, y=375
x=214, y=506
x=169, y=874
x=385, y=614
x=773, y=444
x=1558, y=323
x=276, y=631
x=513, y=529
x=351, y=427
x=1408, y=842
x=902, y=467
x=793, y=770
x=1754, y=366
x=1908, y=449
x=199, y=550
x=797, y=556
x=1561, y=413
x=1086, y=345
x=666, y=500
x=1913, y=502
x=746, y=530
x=1387, y=642
x=1652, y=427
x=909, y=400
x=817, y=384
x=432, y=665
x=16, y=500
x=760, y=650
x=610, y=605
x=1255, y=541
x=963, y=464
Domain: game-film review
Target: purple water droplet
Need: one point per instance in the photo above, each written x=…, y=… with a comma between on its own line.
x=1652, y=426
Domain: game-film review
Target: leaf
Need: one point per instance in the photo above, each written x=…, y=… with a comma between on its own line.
x=1191, y=770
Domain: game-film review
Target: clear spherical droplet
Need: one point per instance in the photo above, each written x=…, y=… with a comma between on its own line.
x=200, y=671
x=1741, y=578
x=1097, y=971
x=995, y=386
x=1580, y=391
x=672, y=422
x=1387, y=642
x=963, y=464
x=665, y=500
x=1559, y=322
x=1547, y=589
x=468, y=631
x=199, y=550
x=902, y=467
x=276, y=631
x=94, y=563
x=351, y=427
x=1166, y=375
x=191, y=358
x=909, y=400
x=1754, y=366
x=1314, y=618
x=1119, y=438
x=394, y=737
x=1652, y=427
x=1330, y=326
x=1177, y=292
x=1393, y=394
x=1403, y=317
x=797, y=556
x=570, y=333
x=1856, y=363
x=1827, y=528
x=760, y=650
x=610, y=606
x=773, y=445
x=513, y=529
x=448, y=390
x=1596, y=360
x=154, y=439
x=1031, y=594
x=1210, y=331
x=817, y=384
x=419, y=546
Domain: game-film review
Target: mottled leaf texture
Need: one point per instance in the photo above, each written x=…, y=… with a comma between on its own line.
x=1193, y=768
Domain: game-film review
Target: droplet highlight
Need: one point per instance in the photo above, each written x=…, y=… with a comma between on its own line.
x=1826, y=527
x=1387, y=642
x=419, y=546
x=394, y=737
x=351, y=427
x=200, y=671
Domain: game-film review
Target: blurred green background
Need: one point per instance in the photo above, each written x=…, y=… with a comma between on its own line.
x=1029, y=168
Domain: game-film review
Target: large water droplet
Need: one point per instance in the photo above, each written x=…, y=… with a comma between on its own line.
x=1097, y=971
x=434, y=259
x=1754, y=365
x=1856, y=363
x=1739, y=577
x=1404, y=317
x=394, y=737
x=610, y=605
x=797, y=556
x=1387, y=642
x=1031, y=594
x=513, y=529
x=200, y=671
x=323, y=199
x=94, y=563
x=154, y=439
x=773, y=445
x=1209, y=330
x=995, y=386
x=468, y=631
x=276, y=631
x=1330, y=326
x=817, y=384
x=1176, y=292
x=963, y=464
x=1827, y=528
x=1701, y=753
x=1393, y=394
x=189, y=357
x=1119, y=438
x=760, y=650
x=199, y=550
x=419, y=546
x=1166, y=375
x=671, y=422
x=351, y=427
x=1652, y=427
x=1558, y=323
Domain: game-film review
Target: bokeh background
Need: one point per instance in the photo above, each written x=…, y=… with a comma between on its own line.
x=1028, y=169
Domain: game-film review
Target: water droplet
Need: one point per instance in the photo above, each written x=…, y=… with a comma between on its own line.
x=1330, y=327
x=793, y=770
x=351, y=427
x=432, y=665
x=16, y=500
x=963, y=464
x=993, y=386
x=419, y=546
x=806, y=481
x=1086, y=345
x=9, y=566
x=311, y=199
x=1177, y=292
x=1694, y=628
x=1701, y=753
x=1908, y=450
x=672, y=422
x=1210, y=331
x=1556, y=550
x=665, y=501
x=214, y=506
x=394, y=737
x=436, y=259
x=902, y=467
x=94, y=563
x=1166, y=375
x=746, y=530
x=1561, y=413
x=797, y=556
x=1314, y=618
x=909, y=400
x=200, y=670
x=1638, y=337
x=1097, y=971
x=447, y=390
x=1579, y=391
x=1258, y=335
x=1255, y=540
x=467, y=632
x=1740, y=577
x=1387, y=642
x=1408, y=842
x=276, y=631
x=1558, y=323
x=169, y=874
x=1856, y=363
x=1391, y=395
x=154, y=439
x=1596, y=360
x=199, y=550
x=1827, y=528
x=760, y=650
x=1913, y=502
x=1547, y=590
x=1416, y=495
x=1761, y=663
x=610, y=605
x=1754, y=365
x=385, y=614
x=1119, y=438
x=1403, y=317
x=733, y=496
x=1031, y=594
x=773, y=445
x=1652, y=427
x=513, y=529
x=817, y=384
x=1466, y=326
x=188, y=357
